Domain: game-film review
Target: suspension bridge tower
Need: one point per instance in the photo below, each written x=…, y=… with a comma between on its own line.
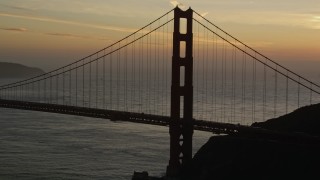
x=181, y=124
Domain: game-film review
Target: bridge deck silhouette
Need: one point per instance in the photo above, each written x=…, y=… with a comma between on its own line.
x=113, y=115
x=118, y=116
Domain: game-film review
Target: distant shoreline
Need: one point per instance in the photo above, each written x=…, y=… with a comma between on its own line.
x=15, y=70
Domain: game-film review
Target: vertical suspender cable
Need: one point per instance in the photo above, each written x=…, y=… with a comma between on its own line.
x=63, y=95
x=159, y=97
x=155, y=72
x=104, y=80
x=39, y=95
x=222, y=78
x=97, y=79
x=19, y=88
x=244, y=82
x=90, y=81
x=203, y=72
x=310, y=93
x=235, y=84
x=70, y=86
x=234, y=60
x=287, y=92
x=126, y=79
x=57, y=88
x=83, y=86
x=206, y=69
x=162, y=79
x=147, y=75
x=156, y=82
x=141, y=62
x=275, y=91
x=111, y=80
x=133, y=73
x=13, y=95
x=212, y=76
x=150, y=72
x=118, y=77
x=76, y=102
x=254, y=89
x=197, y=67
x=44, y=89
x=232, y=85
x=51, y=77
x=21, y=92
x=215, y=76
x=225, y=81
x=242, y=88
x=264, y=91
x=299, y=93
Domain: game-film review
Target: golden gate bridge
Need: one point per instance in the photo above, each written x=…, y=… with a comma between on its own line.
x=182, y=71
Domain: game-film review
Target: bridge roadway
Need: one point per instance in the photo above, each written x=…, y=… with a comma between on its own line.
x=217, y=128
x=208, y=126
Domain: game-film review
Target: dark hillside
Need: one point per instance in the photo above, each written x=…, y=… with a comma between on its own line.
x=304, y=120
x=253, y=157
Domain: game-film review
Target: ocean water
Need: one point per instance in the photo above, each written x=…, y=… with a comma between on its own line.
x=37, y=145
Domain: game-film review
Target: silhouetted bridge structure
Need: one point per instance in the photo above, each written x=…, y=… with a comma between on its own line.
x=209, y=126
x=181, y=71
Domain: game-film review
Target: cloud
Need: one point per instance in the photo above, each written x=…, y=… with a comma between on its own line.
x=204, y=14
x=52, y=20
x=68, y=35
x=300, y=20
x=176, y=3
x=15, y=7
x=15, y=29
x=55, y=34
x=77, y=7
x=314, y=22
x=316, y=19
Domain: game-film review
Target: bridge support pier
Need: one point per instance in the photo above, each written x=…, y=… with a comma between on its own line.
x=181, y=123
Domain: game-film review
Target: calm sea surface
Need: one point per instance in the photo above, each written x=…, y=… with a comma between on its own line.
x=36, y=145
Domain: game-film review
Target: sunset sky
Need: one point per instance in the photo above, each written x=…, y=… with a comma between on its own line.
x=49, y=33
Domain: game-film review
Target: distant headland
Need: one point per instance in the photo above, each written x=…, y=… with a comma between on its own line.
x=14, y=70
